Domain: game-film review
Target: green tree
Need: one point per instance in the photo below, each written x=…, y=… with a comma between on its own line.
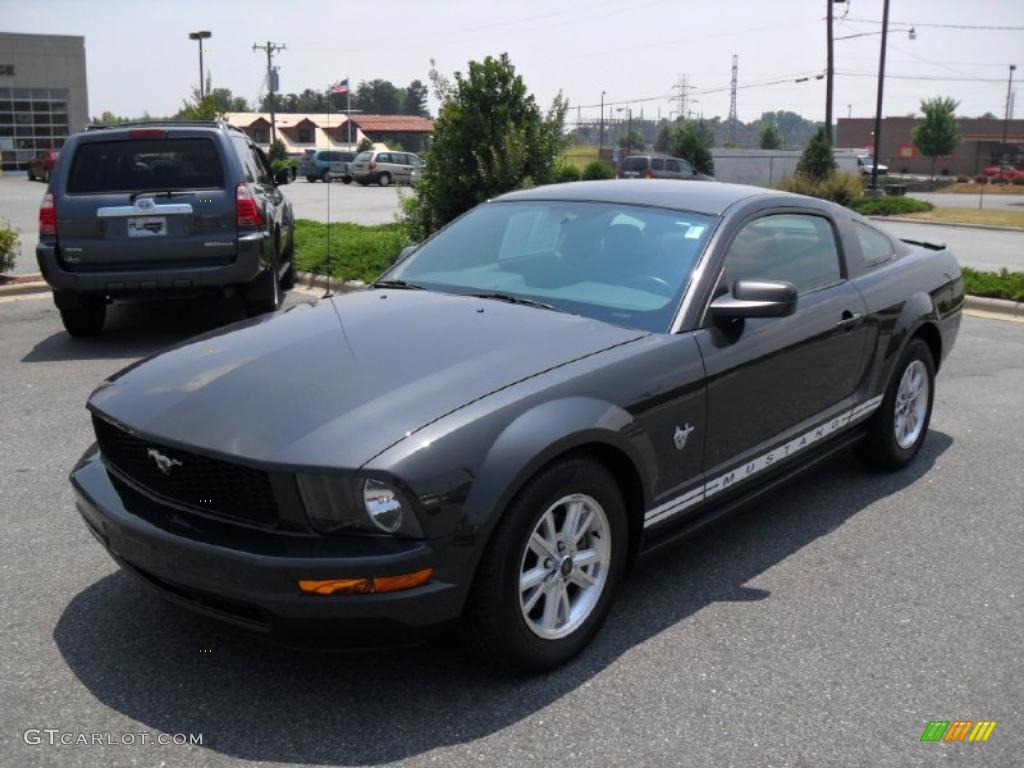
x=200, y=108
x=817, y=162
x=938, y=135
x=663, y=139
x=597, y=170
x=770, y=136
x=365, y=145
x=415, y=101
x=227, y=101
x=490, y=137
x=686, y=141
x=378, y=97
x=632, y=140
x=278, y=151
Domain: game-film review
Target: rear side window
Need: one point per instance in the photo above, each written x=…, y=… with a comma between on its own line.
x=363, y=157
x=634, y=164
x=384, y=157
x=159, y=164
x=875, y=247
x=657, y=164
x=671, y=166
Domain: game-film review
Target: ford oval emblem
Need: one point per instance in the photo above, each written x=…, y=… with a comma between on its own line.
x=144, y=203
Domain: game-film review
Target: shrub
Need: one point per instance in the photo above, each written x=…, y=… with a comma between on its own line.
x=981, y=178
x=690, y=142
x=1000, y=179
x=1018, y=181
x=889, y=206
x=365, y=145
x=564, y=172
x=278, y=151
x=8, y=246
x=996, y=285
x=598, y=169
x=962, y=179
x=817, y=162
x=840, y=188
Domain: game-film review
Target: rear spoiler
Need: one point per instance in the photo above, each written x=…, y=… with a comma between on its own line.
x=924, y=244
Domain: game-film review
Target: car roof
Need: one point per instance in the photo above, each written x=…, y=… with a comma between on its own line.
x=707, y=197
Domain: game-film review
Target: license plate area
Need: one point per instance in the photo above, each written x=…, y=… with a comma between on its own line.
x=147, y=226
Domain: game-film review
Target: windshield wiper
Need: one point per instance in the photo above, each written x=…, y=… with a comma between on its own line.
x=402, y=284
x=512, y=299
x=156, y=193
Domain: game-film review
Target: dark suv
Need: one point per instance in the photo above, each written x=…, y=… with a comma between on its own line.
x=161, y=209
x=659, y=167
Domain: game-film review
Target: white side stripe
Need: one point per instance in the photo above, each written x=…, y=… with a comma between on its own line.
x=765, y=460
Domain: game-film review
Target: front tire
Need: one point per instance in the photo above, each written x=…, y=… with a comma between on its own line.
x=86, y=319
x=548, y=577
x=898, y=429
x=384, y=179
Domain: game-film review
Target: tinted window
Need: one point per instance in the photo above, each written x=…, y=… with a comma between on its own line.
x=384, y=157
x=345, y=156
x=414, y=160
x=874, y=246
x=330, y=157
x=126, y=166
x=263, y=172
x=618, y=263
x=633, y=164
x=249, y=168
x=671, y=165
x=792, y=247
x=684, y=166
x=657, y=164
x=363, y=157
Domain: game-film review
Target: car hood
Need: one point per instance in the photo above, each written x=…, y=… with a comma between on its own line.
x=335, y=382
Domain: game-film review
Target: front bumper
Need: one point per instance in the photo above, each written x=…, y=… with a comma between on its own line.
x=257, y=587
x=253, y=256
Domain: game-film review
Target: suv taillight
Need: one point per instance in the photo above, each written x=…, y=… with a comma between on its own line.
x=372, y=166
x=47, y=216
x=247, y=213
x=648, y=174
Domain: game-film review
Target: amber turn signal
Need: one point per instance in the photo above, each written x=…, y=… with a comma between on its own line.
x=365, y=586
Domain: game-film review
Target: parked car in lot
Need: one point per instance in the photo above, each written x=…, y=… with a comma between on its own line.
x=865, y=163
x=385, y=167
x=1008, y=172
x=562, y=380
x=326, y=164
x=659, y=167
x=41, y=166
x=163, y=209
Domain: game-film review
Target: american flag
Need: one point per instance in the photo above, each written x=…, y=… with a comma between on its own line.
x=340, y=87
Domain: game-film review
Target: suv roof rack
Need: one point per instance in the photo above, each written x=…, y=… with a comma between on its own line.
x=170, y=121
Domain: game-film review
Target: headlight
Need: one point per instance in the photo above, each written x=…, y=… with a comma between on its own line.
x=338, y=504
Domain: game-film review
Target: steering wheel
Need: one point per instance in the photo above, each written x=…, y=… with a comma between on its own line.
x=652, y=281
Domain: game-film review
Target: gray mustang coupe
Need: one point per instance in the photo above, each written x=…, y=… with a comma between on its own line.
x=563, y=379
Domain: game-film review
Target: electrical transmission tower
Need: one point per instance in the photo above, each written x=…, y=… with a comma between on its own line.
x=683, y=86
x=732, y=99
x=270, y=49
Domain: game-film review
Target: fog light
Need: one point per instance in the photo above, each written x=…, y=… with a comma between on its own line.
x=383, y=505
x=364, y=586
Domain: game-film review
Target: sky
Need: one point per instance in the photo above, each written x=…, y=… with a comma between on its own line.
x=139, y=57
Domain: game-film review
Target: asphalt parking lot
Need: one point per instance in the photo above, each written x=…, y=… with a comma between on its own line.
x=826, y=626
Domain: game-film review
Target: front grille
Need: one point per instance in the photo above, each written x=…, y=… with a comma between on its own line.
x=208, y=485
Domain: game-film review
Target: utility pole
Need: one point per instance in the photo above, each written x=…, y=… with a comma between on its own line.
x=1006, y=118
x=270, y=49
x=732, y=99
x=600, y=141
x=878, y=104
x=828, y=71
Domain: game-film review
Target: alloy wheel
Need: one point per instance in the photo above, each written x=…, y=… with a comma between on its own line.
x=911, y=404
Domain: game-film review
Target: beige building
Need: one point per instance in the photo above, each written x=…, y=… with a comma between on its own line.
x=43, y=94
x=301, y=132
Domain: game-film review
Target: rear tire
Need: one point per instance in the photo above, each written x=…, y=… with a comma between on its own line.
x=384, y=179
x=507, y=612
x=31, y=176
x=325, y=177
x=87, y=319
x=346, y=179
x=288, y=279
x=311, y=179
x=898, y=428
x=264, y=293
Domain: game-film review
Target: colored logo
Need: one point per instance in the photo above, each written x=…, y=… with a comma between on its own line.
x=958, y=730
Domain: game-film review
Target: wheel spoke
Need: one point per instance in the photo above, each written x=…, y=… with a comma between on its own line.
x=581, y=578
x=583, y=527
x=552, y=598
x=572, y=518
x=564, y=606
x=532, y=578
x=531, y=601
x=541, y=547
x=586, y=557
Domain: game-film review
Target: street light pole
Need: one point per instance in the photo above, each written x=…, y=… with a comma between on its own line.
x=878, y=103
x=600, y=140
x=1006, y=117
x=199, y=37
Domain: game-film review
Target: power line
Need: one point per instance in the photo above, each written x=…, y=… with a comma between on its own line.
x=927, y=77
x=944, y=26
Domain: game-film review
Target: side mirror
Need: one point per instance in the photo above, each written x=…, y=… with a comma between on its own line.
x=756, y=298
x=283, y=176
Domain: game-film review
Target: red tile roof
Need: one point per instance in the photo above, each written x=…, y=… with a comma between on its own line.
x=394, y=123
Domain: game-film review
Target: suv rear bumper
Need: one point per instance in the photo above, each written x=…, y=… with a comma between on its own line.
x=253, y=257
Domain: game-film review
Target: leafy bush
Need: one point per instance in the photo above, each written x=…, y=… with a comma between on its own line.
x=278, y=151
x=981, y=178
x=358, y=252
x=962, y=179
x=842, y=188
x=1018, y=181
x=8, y=246
x=490, y=137
x=769, y=136
x=598, y=169
x=817, y=162
x=691, y=142
x=889, y=206
x=564, y=172
x=996, y=285
x=365, y=145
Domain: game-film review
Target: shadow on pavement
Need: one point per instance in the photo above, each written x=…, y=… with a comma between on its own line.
x=255, y=700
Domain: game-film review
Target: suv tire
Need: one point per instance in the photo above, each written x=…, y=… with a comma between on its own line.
x=264, y=292
x=311, y=179
x=346, y=179
x=326, y=176
x=87, y=318
x=384, y=179
x=501, y=620
x=288, y=278
x=906, y=409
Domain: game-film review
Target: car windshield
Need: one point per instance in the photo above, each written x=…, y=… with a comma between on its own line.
x=622, y=264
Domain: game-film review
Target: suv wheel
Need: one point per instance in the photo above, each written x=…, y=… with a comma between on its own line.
x=897, y=430
x=346, y=179
x=546, y=581
x=264, y=293
x=31, y=176
x=288, y=279
x=87, y=318
x=311, y=179
x=384, y=179
x=326, y=175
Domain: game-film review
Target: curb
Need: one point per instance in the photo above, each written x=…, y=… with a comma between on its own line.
x=990, y=227
x=311, y=280
x=1002, y=307
x=37, y=285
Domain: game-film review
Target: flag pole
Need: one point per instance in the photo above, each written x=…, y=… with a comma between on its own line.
x=348, y=110
x=327, y=178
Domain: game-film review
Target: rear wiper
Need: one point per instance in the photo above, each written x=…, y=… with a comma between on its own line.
x=156, y=193
x=512, y=299
x=401, y=284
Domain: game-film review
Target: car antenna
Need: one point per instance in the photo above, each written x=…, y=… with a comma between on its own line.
x=327, y=179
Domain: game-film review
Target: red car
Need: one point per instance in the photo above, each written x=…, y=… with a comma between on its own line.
x=41, y=166
x=1008, y=172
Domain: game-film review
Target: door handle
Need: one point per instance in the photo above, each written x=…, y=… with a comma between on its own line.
x=850, y=320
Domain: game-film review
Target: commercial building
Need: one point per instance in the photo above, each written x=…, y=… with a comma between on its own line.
x=981, y=144
x=301, y=132
x=43, y=95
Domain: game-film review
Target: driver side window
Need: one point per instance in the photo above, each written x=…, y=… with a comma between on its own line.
x=798, y=248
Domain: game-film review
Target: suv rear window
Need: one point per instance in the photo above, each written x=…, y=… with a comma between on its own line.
x=634, y=164
x=159, y=164
x=363, y=157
